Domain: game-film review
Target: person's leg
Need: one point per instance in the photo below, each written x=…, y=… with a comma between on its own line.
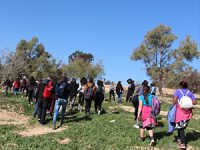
x=152, y=142
x=86, y=106
x=82, y=101
x=39, y=113
x=52, y=106
x=44, y=109
x=113, y=94
x=136, y=109
x=182, y=135
x=142, y=133
x=96, y=104
x=110, y=93
x=35, y=108
x=56, y=111
x=64, y=106
x=89, y=105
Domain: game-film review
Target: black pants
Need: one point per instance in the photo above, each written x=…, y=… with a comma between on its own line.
x=30, y=96
x=135, y=103
x=98, y=102
x=81, y=99
x=112, y=94
x=87, y=105
x=42, y=109
x=181, y=135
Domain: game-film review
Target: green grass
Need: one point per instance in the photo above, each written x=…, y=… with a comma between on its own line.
x=94, y=132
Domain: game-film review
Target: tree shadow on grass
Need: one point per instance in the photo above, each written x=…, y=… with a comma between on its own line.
x=160, y=135
x=77, y=119
x=192, y=136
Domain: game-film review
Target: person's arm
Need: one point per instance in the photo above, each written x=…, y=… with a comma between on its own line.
x=175, y=100
x=139, y=110
x=194, y=102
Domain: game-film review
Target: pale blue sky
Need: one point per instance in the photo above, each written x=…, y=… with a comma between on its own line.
x=109, y=29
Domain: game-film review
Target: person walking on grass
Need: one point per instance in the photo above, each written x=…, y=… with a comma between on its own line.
x=99, y=97
x=119, y=90
x=31, y=87
x=145, y=116
x=62, y=92
x=112, y=91
x=83, y=81
x=16, y=86
x=183, y=115
x=6, y=86
x=89, y=95
x=131, y=89
x=135, y=101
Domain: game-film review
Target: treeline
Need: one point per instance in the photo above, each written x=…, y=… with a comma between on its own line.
x=32, y=59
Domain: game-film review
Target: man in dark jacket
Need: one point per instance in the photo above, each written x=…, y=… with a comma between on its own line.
x=131, y=89
x=42, y=103
x=62, y=91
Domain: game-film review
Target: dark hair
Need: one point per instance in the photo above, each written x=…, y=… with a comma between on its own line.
x=146, y=87
x=100, y=83
x=183, y=84
x=145, y=83
x=90, y=79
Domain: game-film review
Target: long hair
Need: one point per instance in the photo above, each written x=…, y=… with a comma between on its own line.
x=146, y=92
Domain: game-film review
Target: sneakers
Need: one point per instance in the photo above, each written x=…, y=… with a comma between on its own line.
x=181, y=146
x=136, y=126
x=152, y=143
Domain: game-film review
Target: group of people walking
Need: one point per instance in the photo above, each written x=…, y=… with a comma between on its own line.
x=50, y=94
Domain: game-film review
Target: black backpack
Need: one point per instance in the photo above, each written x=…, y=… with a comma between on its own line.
x=88, y=93
x=100, y=90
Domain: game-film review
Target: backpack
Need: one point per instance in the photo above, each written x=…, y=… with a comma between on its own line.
x=156, y=106
x=60, y=89
x=88, y=93
x=100, y=90
x=185, y=101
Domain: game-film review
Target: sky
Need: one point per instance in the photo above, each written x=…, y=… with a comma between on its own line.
x=109, y=29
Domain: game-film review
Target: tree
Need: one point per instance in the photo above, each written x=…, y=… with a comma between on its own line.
x=40, y=62
x=80, y=65
x=161, y=61
x=79, y=55
x=12, y=66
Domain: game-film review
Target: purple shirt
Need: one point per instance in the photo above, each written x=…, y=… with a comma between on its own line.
x=184, y=91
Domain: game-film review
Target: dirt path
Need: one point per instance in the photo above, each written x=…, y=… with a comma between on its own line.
x=40, y=130
x=12, y=118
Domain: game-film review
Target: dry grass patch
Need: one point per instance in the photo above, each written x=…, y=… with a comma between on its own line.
x=64, y=141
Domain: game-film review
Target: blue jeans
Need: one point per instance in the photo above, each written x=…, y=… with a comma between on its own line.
x=35, y=108
x=58, y=103
x=119, y=97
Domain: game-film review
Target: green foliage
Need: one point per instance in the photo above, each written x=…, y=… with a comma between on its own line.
x=80, y=68
x=80, y=65
x=79, y=55
x=164, y=64
x=30, y=59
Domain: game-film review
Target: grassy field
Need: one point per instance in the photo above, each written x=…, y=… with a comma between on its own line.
x=112, y=130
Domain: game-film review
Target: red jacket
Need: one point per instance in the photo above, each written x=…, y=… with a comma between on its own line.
x=47, y=94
